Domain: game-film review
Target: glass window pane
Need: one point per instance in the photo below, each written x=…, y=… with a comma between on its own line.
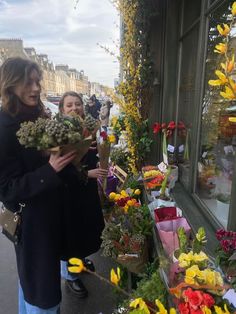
x=192, y=10
x=218, y=134
x=186, y=101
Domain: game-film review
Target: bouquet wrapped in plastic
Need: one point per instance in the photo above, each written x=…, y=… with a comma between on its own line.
x=62, y=134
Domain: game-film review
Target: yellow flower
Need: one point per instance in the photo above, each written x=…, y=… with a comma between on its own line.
x=123, y=193
x=185, y=259
x=221, y=81
x=141, y=304
x=224, y=31
x=232, y=119
x=221, y=48
x=137, y=192
x=219, y=310
x=117, y=197
x=228, y=66
x=172, y=311
x=206, y=310
x=201, y=257
x=112, y=196
x=191, y=273
x=228, y=93
x=233, y=9
x=126, y=208
x=112, y=138
x=78, y=265
x=161, y=307
x=115, y=277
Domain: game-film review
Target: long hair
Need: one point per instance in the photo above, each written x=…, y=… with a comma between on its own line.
x=15, y=71
x=70, y=93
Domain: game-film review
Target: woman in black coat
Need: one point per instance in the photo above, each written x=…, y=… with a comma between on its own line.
x=72, y=103
x=49, y=187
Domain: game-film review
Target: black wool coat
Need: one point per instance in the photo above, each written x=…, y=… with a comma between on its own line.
x=55, y=224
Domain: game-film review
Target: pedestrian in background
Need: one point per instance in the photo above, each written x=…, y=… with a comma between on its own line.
x=52, y=227
x=105, y=114
x=93, y=107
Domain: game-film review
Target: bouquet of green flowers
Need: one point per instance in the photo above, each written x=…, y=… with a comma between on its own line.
x=63, y=133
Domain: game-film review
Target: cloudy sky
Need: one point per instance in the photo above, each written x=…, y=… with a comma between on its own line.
x=67, y=35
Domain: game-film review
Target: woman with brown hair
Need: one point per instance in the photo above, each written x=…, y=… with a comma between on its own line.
x=45, y=185
x=72, y=103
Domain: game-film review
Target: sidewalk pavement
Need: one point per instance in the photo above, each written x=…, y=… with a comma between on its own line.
x=101, y=299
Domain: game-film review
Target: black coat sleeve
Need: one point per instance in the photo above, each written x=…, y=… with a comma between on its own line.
x=15, y=183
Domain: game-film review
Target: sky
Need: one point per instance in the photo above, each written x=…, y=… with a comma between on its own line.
x=68, y=35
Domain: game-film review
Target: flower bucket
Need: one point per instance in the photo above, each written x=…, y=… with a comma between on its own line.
x=135, y=263
x=167, y=231
x=166, y=213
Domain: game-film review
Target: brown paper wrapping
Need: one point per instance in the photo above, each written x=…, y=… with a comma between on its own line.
x=104, y=154
x=81, y=148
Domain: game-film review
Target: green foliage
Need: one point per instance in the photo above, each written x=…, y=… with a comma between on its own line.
x=183, y=240
x=151, y=289
x=120, y=157
x=199, y=240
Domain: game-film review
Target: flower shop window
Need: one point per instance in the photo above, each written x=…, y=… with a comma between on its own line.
x=218, y=129
x=191, y=12
x=186, y=106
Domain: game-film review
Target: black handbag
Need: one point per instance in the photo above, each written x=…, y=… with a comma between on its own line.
x=10, y=222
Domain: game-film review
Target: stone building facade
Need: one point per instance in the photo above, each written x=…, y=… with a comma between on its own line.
x=56, y=79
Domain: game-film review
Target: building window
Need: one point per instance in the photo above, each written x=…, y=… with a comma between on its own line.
x=218, y=135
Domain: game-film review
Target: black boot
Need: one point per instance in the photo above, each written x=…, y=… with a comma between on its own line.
x=88, y=264
x=77, y=287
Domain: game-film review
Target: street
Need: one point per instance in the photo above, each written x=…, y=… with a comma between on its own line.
x=101, y=299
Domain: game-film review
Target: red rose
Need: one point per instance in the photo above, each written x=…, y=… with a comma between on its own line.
x=195, y=311
x=208, y=300
x=103, y=134
x=195, y=298
x=156, y=127
x=183, y=308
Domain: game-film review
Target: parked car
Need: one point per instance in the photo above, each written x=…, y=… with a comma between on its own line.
x=50, y=106
x=54, y=99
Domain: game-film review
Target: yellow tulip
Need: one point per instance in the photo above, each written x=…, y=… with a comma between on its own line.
x=137, y=192
x=123, y=193
x=233, y=9
x=232, y=119
x=221, y=48
x=140, y=304
x=172, y=311
x=224, y=31
x=206, y=310
x=161, y=307
x=112, y=196
x=78, y=265
x=115, y=277
x=219, y=310
x=112, y=138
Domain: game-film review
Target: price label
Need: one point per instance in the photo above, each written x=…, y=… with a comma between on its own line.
x=162, y=167
x=170, y=148
x=181, y=148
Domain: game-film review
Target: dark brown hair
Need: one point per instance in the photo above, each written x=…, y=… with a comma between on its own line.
x=15, y=71
x=70, y=93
